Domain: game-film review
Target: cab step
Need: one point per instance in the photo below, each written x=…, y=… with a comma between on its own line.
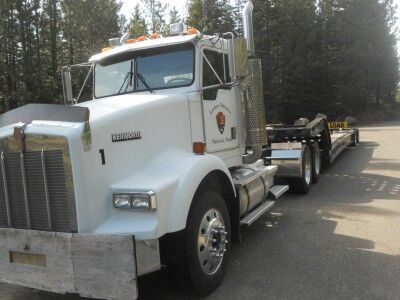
x=257, y=213
x=278, y=190
x=275, y=192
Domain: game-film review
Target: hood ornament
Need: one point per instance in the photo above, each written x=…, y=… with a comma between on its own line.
x=19, y=136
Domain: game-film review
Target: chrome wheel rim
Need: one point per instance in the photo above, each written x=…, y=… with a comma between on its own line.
x=307, y=165
x=212, y=241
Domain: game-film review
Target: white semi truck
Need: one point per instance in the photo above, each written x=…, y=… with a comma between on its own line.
x=161, y=168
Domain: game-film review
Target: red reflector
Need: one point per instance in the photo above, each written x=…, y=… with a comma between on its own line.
x=199, y=147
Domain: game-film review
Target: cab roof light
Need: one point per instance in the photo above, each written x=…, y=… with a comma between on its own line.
x=192, y=30
x=131, y=41
x=154, y=36
x=141, y=38
x=106, y=49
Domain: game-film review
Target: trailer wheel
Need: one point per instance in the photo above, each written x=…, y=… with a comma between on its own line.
x=201, y=268
x=353, y=140
x=316, y=162
x=302, y=185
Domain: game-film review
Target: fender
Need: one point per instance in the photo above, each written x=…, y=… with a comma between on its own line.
x=196, y=170
x=175, y=176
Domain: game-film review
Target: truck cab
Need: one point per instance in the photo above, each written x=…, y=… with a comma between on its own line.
x=197, y=68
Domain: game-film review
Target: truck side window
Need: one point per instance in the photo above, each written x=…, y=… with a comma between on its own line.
x=216, y=60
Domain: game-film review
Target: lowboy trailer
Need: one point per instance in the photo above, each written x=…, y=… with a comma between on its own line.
x=162, y=167
x=289, y=146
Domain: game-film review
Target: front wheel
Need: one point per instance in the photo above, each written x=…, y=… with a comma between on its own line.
x=208, y=237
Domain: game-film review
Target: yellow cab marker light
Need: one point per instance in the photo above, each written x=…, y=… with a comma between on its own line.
x=131, y=41
x=154, y=36
x=141, y=38
x=191, y=31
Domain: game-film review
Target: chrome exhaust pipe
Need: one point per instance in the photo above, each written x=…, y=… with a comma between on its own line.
x=256, y=135
x=248, y=27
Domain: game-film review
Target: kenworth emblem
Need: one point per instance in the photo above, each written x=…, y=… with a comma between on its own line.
x=221, y=122
x=126, y=136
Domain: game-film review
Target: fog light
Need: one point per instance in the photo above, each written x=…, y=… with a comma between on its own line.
x=135, y=201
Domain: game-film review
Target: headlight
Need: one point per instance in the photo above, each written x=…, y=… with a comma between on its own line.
x=135, y=201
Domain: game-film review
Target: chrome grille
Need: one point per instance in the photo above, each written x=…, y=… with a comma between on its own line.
x=34, y=186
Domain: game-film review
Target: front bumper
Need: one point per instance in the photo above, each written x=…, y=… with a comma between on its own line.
x=94, y=266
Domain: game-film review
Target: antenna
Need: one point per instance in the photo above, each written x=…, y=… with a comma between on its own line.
x=124, y=38
x=203, y=6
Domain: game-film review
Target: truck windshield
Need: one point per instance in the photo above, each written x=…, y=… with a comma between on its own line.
x=154, y=69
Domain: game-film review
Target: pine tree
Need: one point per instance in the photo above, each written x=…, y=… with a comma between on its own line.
x=331, y=56
x=211, y=16
x=137, y=25
x=174, y=16
x=237, y=13
x=9, y=52
x=155, y=12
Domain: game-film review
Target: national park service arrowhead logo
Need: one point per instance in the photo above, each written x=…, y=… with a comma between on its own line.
x=221, y=122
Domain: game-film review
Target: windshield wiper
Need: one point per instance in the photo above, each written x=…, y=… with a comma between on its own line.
x=130, y=76
x=140, y=76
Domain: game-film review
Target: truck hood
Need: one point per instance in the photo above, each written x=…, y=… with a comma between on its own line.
x=91, y=111
x=105, y=107
x=44, y=112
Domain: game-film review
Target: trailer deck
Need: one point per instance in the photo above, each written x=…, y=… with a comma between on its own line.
x=340, y=141
x=331, y=141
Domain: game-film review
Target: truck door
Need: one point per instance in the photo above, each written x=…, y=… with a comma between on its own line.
x=219, y=102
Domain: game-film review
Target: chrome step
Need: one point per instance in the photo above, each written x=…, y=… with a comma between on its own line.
x=257, y=213
x=278, y=190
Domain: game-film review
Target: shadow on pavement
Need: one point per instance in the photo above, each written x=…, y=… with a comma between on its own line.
x=294, y=252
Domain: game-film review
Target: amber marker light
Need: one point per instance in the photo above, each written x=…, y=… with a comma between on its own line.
x=131, y=41
x=191, y=31
x=141, y=38
x=199, y=148
x=154, y=36
x=106, y=49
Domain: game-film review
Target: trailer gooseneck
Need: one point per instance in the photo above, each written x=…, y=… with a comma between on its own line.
x=161, y=167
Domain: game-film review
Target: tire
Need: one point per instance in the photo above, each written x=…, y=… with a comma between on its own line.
x=316, y=162
x=302, y=185
x=202, y=266
x=353, y=140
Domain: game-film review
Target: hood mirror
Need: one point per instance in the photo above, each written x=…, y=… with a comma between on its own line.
x=67, y=86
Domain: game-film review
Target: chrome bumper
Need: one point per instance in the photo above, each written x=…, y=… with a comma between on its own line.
x=94, y=266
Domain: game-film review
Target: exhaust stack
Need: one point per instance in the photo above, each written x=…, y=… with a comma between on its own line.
x=248, y=27
x=253, y=98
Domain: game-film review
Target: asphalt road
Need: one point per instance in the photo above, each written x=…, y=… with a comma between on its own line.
x=341, y=241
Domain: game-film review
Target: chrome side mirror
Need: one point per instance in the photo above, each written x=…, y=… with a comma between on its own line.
x=67, y=86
